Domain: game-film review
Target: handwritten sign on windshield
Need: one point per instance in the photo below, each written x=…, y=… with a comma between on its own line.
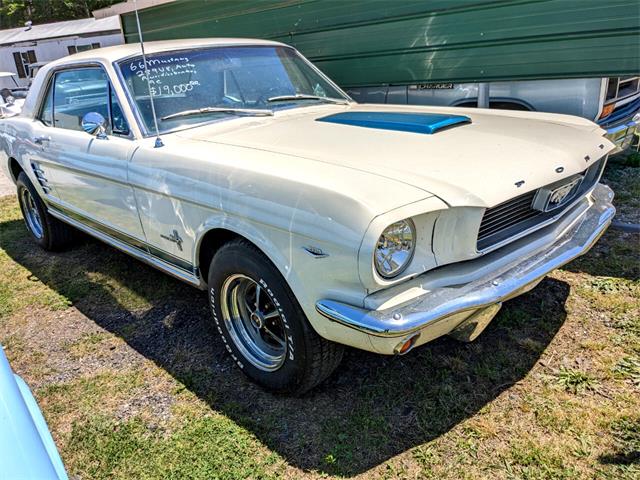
x=167, y=75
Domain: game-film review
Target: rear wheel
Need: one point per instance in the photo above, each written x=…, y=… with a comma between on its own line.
x=263, y=326
x=47, y=231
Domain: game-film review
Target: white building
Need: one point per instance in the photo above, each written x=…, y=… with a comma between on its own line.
x=22, y=47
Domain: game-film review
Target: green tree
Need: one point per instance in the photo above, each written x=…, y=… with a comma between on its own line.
x=14, y=13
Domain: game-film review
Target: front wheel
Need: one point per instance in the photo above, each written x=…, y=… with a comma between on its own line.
x=263, y=326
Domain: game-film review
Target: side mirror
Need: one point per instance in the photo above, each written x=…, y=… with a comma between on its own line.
x=95, y=124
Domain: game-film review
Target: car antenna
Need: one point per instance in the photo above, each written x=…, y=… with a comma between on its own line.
x=158, y=143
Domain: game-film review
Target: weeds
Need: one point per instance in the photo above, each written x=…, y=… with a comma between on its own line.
x=575, y=381
x=629, y=368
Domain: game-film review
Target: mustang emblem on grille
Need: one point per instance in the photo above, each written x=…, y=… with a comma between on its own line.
x=550, y=198
x=559, y=194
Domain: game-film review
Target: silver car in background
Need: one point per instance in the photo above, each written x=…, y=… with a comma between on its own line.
x=613, y=103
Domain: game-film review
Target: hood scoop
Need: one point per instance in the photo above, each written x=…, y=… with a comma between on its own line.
x=426, y=123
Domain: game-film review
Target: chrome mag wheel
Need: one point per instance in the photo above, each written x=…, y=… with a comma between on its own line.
x=31, y=214
x=253, y=322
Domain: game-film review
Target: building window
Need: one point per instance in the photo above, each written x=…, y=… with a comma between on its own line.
x=23, y=62
x=81, y=48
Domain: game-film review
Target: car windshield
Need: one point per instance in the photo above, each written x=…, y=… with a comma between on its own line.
x=210, y=84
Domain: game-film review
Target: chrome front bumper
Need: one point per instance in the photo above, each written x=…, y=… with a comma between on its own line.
x=467, y=308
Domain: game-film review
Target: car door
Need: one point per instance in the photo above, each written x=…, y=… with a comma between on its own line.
x=88, y=172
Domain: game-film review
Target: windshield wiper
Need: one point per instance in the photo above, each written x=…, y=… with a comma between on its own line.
x=261, y=112
x=300, y=96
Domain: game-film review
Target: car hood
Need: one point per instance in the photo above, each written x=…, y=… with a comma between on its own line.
x=498, y=155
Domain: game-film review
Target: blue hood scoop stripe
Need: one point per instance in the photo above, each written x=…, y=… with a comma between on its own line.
x=426, y=123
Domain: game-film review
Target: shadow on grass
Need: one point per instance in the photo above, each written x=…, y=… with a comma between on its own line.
x=617, y=254
x=371, y=409
x=620, y=458
x=626, y=434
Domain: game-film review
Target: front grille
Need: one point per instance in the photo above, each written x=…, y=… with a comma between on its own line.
x=508, y=219
x=506, y=215
x=619, y=88
x=621, y=114
x=621, y=102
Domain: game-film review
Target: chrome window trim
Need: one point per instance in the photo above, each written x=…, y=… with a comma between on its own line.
x=76, y=66
x=42, y=99
x=134, y=106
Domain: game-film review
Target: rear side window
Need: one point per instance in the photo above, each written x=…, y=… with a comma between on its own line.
x=74, y=93
x=78, y=92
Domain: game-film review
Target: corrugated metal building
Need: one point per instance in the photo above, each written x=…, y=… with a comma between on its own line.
x=405, y=42
x=22, y=47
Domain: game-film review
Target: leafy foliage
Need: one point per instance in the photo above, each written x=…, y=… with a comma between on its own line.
x=14, y=13
x=575, y=381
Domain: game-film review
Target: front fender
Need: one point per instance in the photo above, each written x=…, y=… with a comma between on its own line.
x=246, y=230
x=285, y=249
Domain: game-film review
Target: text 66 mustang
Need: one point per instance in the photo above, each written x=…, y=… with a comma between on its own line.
x=313, y=222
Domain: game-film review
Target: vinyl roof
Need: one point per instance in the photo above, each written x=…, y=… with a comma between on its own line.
x=70, y=28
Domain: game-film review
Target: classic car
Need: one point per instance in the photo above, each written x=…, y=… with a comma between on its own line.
x=313, y=222
x=28, y=450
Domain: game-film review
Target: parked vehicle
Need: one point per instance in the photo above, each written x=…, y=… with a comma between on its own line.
x=33, y=70
x=312, y=221
x=613, y=103
x=28, y=451
x=583, y=54
x=11, y=99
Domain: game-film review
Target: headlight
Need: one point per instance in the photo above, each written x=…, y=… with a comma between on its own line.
x=395, y=248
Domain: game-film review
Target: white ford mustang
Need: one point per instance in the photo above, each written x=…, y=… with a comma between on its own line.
x=312, y=221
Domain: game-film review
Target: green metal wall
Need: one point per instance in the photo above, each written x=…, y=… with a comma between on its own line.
x=368, y=42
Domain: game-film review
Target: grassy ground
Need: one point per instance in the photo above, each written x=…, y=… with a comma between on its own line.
x=133, y=385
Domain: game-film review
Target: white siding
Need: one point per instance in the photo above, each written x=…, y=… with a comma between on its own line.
x=47, y=50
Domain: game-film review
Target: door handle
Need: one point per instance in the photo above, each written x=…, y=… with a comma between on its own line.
x=41, y=139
